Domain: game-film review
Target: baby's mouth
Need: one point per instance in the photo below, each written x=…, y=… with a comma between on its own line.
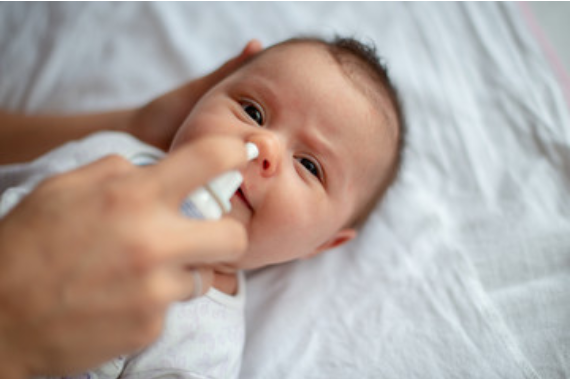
x=242, y=196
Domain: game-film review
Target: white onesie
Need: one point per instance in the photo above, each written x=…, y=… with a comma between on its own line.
x=203, y=338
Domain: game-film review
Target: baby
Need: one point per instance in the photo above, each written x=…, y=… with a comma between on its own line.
x=329, y=129
x=326, y=123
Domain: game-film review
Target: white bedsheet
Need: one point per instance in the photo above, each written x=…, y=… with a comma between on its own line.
x=462, y=272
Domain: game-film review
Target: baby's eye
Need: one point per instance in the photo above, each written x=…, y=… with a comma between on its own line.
x=312, y=167
x=253, y=112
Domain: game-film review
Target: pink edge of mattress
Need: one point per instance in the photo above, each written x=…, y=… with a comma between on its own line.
x=551, y=54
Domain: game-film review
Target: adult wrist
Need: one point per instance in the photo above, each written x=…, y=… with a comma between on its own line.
x=124, y=121
x=12, y=364
x=11, y=371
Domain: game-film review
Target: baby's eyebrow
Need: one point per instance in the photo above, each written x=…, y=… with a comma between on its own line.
x=330, y=159
x=326, y=151
x=263, y=89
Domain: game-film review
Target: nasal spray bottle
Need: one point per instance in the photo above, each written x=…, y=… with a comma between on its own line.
x=213, y=199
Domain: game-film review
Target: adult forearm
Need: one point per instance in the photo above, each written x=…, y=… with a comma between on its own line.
x=25, y=137
x=12, y=366
x=12, y=371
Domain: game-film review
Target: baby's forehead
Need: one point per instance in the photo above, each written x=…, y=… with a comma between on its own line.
x=274, y=55
x=358, y=73
x=371, y=144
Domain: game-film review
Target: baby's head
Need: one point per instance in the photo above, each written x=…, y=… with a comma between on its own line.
x=328, y=126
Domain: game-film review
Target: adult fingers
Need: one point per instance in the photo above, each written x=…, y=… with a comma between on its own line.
x=252, y=48
x=192, y=242
x=191, y=92
x=94, y=172
x=193, y=165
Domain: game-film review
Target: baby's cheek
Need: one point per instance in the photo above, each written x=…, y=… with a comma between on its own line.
x=201, y=123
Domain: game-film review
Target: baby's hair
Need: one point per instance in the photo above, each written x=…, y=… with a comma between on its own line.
x=347, y=51
x=352, y=54
x=367, y=55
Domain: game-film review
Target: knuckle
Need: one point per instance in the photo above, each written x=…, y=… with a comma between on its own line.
x=142, y=254
x=223, y=153
x=114, y=198
x=126, y=194
x=216, y=158
x=116, y=163
x=113, y=165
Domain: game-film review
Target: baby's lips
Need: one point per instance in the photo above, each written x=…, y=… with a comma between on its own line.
x=243, y=196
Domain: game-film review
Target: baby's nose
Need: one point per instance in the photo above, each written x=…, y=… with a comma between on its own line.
x=269, y=153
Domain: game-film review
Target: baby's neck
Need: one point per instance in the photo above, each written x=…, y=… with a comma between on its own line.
x=227, y=283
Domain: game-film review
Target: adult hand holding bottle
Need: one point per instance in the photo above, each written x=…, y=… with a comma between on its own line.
x=79, y=287
x=91, y=259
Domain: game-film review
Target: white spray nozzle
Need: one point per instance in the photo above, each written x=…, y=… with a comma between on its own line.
x=252, y=150
x=223, y=187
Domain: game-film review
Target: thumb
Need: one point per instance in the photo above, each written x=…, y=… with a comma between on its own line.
x=194, y=90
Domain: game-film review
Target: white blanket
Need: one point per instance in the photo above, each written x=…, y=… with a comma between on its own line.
x=463, y=270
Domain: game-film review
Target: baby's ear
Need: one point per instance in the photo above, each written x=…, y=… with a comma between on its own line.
x=338, y=239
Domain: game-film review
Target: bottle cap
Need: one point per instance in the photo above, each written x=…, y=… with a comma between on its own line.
x=213, y=199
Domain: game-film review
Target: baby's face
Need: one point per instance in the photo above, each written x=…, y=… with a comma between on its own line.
x=316, y=133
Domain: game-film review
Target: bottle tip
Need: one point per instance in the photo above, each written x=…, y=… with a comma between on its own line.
x=224, y=187
x=252, y=150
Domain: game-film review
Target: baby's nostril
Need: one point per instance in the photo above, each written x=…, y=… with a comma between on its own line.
x=266, y=164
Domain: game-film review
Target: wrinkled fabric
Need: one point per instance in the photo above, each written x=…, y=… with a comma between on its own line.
x=462, y=271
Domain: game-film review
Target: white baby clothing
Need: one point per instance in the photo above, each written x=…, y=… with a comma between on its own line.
x=202, y=338
x=18, y=179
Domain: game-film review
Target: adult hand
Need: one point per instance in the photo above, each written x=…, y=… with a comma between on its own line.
x=154, y=123
x=91, y=259
x=157, y=122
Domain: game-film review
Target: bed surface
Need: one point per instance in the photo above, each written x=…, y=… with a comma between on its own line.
x=462, y=271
